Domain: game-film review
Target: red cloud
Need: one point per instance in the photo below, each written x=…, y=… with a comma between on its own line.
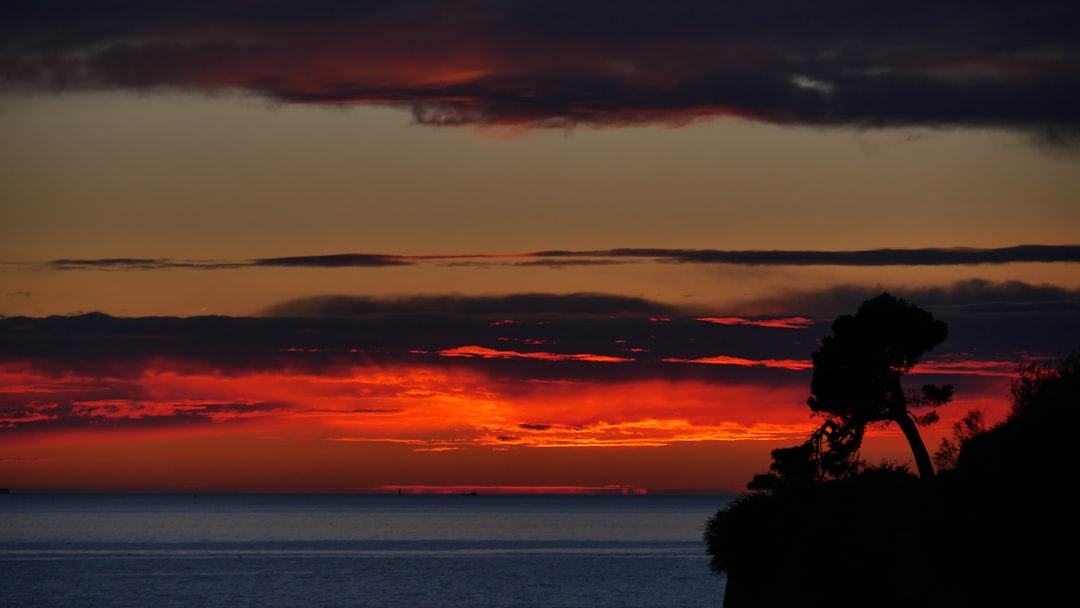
x=490, y=353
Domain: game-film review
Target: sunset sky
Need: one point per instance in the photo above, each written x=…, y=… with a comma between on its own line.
x=334, y=246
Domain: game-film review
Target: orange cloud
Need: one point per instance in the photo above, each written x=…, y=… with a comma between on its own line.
x=781, y=323
x=966, y=367
x=791, y=364
x=489, y=353
x=433, y=408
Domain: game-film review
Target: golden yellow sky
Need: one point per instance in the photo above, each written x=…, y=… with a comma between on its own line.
x=111, y=175
x=104, y=175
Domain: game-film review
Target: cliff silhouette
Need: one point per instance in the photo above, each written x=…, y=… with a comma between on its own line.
x=995, y=527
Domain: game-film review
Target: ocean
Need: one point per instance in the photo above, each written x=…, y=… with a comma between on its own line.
x=208, y=551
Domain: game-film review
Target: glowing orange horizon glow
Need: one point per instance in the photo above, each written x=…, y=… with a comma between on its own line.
x=429, y=408
x=505, y=489
x=174, y=426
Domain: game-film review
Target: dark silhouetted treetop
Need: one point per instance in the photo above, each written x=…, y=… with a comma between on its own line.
x=972, y=424
x=1035, y=446
x=857, y=374
x=1041, y=391
x=793, y=467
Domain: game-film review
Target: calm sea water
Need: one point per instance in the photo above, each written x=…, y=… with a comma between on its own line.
x=440, y=551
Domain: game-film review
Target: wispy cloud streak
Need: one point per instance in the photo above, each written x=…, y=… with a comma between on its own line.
x=959, y=256
x=140, y=264
x=335, y=261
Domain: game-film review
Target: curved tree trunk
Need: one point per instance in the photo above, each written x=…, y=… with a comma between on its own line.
x=918, y=448
x=898, y=412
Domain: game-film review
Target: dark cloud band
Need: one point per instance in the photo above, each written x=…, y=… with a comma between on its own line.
x=563, y=63
x=528, y=334
x=869, y=257
x=560, y=258
x=970, y=297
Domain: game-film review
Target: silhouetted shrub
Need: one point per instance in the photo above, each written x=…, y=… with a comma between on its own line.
x=837, y=543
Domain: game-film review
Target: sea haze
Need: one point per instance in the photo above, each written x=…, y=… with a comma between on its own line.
x=349, y=550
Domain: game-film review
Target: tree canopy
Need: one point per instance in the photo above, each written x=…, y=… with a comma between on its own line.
x=856, y=381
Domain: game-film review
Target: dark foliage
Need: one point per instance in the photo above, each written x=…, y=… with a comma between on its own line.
x=994, y=531
x=791, y=467
x=973, y=423
x=1033, y=446
x=837, y=543
x=857, y=374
